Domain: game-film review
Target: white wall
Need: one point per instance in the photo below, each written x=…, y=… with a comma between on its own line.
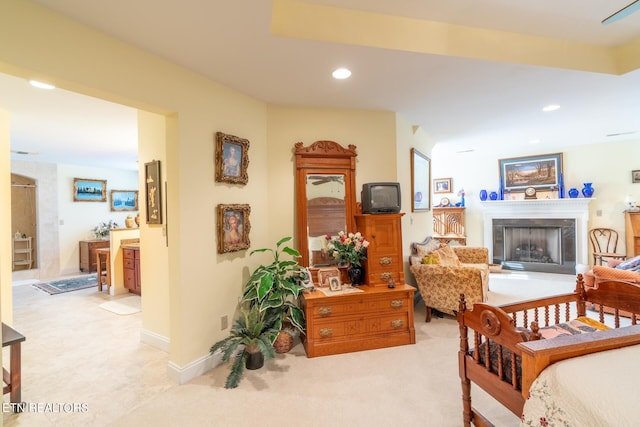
x=607, y=165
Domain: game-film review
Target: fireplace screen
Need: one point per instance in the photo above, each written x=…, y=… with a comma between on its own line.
x=546, y=245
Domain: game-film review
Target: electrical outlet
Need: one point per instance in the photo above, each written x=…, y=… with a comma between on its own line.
x=599, y=212
x=224, y=322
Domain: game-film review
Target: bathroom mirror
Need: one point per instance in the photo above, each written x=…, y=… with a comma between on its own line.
x=325, y=197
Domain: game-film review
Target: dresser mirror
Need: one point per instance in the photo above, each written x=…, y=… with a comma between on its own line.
x=325, y=197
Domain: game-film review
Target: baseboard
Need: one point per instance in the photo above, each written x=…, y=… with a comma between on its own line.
x=155, y=340
x=184, y=374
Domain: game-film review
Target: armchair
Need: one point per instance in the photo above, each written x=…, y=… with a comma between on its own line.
x=441, y=283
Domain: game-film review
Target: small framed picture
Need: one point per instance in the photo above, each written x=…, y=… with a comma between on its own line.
x=233, y=228
x=442, y=185
x=334, y=283
x=124, y=200
x=232, y=159
x=153, y=192
x=635, y=176
x=326, y=274
x=89, y=190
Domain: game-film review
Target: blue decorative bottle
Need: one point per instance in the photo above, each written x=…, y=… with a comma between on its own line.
x=587, y=190
x=483, y=195
x=573, y=193
x=493, y=195
x=561, y=187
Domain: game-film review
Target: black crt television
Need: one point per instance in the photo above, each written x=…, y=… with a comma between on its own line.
x=380, y=197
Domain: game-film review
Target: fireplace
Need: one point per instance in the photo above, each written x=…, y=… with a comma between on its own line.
x=547, y=245
x=547, y=235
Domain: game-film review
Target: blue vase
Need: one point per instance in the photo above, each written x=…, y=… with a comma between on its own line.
x=483, y=195
x=587, y=190
x=573, y=193
x=561, y=187
x=493, y=195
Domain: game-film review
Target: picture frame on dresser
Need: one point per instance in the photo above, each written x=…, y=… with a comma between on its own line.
x=89, y=190
x=326, y=274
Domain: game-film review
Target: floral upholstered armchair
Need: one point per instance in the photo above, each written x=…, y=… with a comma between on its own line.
x=443, y=272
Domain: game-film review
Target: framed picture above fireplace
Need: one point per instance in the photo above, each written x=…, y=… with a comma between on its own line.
x=542, y=172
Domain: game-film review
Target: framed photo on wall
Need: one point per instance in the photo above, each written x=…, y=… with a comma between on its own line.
x=233, y=228
x=89, y=190
x=153, y=192
x=124, y=200
x=232, y=159
x=420, y=181
x=540, y=172
x=442, y=185
x=635, y=176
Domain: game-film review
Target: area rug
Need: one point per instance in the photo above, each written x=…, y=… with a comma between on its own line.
x=123, y=306
x=68, y=285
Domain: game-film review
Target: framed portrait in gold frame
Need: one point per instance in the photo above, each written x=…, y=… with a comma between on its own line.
x=233, y=227
x=232, y=159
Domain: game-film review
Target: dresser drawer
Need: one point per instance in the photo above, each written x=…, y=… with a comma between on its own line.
x=128, y=263
x=356, y=325
x=128, y=254
x=362, y=305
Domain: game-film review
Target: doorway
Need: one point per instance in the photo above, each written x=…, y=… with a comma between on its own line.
x=24, y=223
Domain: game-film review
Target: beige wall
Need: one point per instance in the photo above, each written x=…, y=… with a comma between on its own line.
x=6, y=308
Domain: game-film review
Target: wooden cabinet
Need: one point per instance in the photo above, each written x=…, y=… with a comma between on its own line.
x=632, y=233
x=384, y=254
x=448, y=225
x=88, y=254
x=131, y=269
x=375, y=318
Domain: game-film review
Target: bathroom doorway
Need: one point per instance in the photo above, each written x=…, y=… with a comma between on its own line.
x=24, y=223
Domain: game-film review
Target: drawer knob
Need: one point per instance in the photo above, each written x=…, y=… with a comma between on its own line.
x=324, y=311
x=397, y=303
x=326, y=332
x=385, y=260
x=398, y=323
x=386, y=276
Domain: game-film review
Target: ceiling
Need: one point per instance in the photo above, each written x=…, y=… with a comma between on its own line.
x=466, y=99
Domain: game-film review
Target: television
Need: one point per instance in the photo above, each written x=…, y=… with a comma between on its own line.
x=380, y=197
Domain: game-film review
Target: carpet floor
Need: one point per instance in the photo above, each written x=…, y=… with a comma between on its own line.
x=125, y=383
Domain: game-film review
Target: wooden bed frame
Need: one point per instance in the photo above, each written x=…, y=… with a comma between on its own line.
x=511, y=330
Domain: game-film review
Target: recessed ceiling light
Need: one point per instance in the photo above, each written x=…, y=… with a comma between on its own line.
x=41, y=85
x=341, y=73
x=551, y=107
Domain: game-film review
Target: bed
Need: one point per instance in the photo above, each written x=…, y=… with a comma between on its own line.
x=503, y=349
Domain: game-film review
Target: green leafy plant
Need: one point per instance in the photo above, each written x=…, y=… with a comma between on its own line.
x=275, y=288
x=253, y=331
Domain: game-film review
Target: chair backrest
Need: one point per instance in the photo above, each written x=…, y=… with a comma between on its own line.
x=603, y=240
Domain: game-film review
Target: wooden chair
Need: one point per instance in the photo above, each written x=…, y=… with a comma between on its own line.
x=103, y=265
x=604, y=243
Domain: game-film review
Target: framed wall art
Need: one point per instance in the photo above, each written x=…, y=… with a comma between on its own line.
x=89, y=190
x=635, y=176
x=540, y=172
x=420, y=181
x=442, y=185
x=124, y=200
x=232, y=159
x=233, y=228
x=153, y=192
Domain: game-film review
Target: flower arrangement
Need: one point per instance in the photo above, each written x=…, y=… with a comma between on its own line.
x=347, y=247
x=102, y=230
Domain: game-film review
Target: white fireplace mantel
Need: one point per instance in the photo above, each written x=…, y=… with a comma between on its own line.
x=577, y=209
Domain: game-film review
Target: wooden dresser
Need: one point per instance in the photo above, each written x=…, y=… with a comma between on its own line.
x=384, y=254
x=632, y=233
x=88, y=254
x=131, y=269
x=375, y=318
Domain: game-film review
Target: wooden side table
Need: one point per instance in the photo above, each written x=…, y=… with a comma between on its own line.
x=12, y=338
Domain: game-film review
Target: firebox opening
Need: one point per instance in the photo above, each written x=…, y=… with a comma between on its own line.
x=546, y=245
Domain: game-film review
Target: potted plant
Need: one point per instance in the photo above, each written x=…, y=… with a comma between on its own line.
x=250, y=342
x=275, y=288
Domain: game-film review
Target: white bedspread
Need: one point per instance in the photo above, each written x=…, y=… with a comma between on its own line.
x=599, y=389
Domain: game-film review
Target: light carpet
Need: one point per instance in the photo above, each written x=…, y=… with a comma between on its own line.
x=408, y=385
x=123, y=306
